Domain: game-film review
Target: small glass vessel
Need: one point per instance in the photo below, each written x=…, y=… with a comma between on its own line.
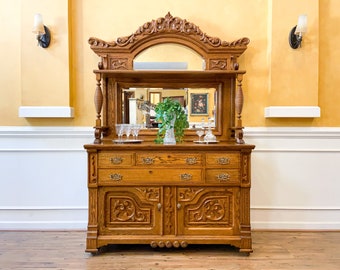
x=209, y=136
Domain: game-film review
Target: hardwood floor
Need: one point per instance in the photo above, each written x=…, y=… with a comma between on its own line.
x=272, y=250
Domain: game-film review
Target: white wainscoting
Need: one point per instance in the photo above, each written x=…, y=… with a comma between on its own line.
x=295, y=180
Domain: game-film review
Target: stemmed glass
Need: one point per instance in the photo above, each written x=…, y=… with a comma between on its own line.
x=135, y=130
x=200, y=133
x=119, y=131
x=127, y=130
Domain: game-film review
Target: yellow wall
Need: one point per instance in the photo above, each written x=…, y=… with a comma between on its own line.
x=61, y=75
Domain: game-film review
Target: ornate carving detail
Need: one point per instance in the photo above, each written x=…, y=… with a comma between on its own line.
x=168, y=211
x=168, y=24
x=126, y=210
x=93, y=168
x=150, y=194
x=245, y=169
x=118, y=63
x=215, y=208
x=210, y=210
x=219, y=64
x=187, y=194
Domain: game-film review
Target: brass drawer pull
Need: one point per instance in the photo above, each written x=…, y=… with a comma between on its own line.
x=191, y=160
x=223, y=160
x=116, y=160
x=159, y=206
x=186, y=176
x=223, y=177
x=116, y=177
x=148, y=160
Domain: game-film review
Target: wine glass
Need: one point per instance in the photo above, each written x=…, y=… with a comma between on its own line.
x=127, y=130
x=119, y=131
x=200, y=133
x=135, y=130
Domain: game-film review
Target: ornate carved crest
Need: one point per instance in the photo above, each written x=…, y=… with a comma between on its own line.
x=168, y=24
x=120, y=54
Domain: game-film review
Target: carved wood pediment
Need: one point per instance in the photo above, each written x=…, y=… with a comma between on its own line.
x=169, y=29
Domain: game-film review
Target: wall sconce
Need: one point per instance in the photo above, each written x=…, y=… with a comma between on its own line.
x=42, y=32
x=295, y=35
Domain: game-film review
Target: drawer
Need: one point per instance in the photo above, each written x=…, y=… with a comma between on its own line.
x=112, y=160
x=149, y=176
x=168, y=159
x=223, y=160
x=220, y=176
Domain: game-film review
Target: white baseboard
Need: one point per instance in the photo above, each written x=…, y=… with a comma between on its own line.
x=48, y=218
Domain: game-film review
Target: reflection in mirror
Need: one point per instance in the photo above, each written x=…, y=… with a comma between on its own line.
x=198, y=103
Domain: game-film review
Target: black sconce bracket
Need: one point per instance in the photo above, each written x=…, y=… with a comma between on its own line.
x=45, y=39
x=294, y=40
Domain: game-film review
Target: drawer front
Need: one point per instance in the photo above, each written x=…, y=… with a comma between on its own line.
x=168, y=159
x=149, y=176
x=220, y=176
x=112, y=160
x=223, y=160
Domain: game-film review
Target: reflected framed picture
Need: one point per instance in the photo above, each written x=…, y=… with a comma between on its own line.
x=199, y=104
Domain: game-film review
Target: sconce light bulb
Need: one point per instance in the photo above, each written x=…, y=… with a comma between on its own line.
x=43, y=34
x=38, y=26
x=301, y=26
x=295, y=35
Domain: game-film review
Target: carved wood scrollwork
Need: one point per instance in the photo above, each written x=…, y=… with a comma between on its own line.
x=187, y=194
x=92, y=168
x=245, y=165
x=127, y=210
x=150, y=194
x=168, y=24
x=219, y=64
x=211, y=209
x=168, y=211
x=119, y=63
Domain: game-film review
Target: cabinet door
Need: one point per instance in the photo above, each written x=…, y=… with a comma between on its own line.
x=208, y=210
x=129, y=210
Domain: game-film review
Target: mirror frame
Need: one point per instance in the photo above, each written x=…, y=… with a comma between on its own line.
x=115, y=72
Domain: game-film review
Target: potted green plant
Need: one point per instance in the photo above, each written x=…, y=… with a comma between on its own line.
x=172, y=121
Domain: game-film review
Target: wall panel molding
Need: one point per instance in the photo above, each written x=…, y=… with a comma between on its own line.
x=294, y=178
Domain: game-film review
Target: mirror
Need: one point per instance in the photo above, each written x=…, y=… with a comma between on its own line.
x=198, y=103
x=169, y=53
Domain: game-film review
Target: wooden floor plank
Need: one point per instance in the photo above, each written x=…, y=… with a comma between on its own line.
x=272, y=251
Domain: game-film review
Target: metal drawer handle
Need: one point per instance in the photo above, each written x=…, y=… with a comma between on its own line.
x=116, y=177
x=116, y=160
x=148, y=160
x=186, y=176
x=159, y=206
x=191, y=160
x=223, y=177
x=223, y=160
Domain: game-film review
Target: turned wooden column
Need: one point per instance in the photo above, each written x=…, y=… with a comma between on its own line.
x=238, y=108
x=98, y=102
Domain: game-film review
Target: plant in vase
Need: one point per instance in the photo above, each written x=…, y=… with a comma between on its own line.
x=172, y=121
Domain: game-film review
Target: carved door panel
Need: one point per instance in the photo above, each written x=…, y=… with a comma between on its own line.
x=129, y=210
x=208, y=210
